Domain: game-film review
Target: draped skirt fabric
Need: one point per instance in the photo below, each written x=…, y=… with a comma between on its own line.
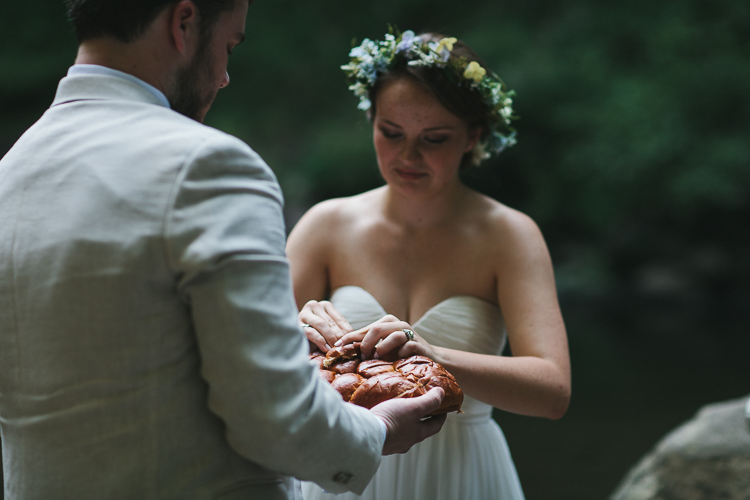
x=467, y=460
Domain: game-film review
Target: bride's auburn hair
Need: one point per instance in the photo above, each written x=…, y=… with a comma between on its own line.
x=461, y=100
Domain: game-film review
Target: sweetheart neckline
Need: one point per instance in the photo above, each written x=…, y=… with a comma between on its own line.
x=428, y=311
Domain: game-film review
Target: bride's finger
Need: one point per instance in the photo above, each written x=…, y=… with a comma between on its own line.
x=377, y=335
x=336, y=316
x=358, y=335
x=331, y=324
x=355, y=336
x=396, y=341
x=413, y=348
x=315, y=337
x=315, y=315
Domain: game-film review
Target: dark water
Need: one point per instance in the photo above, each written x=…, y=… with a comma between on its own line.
x=630, y=388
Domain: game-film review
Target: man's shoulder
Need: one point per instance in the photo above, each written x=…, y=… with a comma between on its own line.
x=190, y=133
x=169, y=134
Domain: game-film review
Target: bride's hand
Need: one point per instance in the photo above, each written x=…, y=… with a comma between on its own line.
x=323, y=324
x=388, y=336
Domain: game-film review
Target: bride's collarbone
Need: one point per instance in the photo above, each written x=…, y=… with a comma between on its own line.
x=414, y=248
x=412, y=276
x=416, y=277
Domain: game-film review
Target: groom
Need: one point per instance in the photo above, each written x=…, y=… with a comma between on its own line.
x=149, y=346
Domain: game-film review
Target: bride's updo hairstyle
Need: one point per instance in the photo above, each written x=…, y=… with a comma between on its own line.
x=462, y=101
x=450, y=70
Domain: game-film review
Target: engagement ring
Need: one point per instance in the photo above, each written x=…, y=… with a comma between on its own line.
x=409, y=334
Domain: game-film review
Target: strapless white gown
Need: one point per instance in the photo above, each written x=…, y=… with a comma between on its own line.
x=469, y=458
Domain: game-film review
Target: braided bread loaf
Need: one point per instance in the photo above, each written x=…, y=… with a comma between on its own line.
x=367, y=383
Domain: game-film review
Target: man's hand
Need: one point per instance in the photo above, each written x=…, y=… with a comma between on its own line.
x=403, y=420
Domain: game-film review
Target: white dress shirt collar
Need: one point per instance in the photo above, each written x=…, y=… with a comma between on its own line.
x=94, y=69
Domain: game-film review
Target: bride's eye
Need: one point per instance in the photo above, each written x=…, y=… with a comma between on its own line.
x=436, y=139
x=390, y=135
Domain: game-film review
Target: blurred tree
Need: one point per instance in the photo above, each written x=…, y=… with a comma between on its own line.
x=633, y=153
x=633, y=156
x=36, y=48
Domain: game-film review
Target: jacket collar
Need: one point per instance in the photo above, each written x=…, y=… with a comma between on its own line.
x=89, y=87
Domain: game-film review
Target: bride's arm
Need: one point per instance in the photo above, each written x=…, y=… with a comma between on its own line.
x=536, y=379
x=308, y=248
x=307, y=251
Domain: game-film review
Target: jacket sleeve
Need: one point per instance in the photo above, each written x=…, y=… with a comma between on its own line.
x=225, y=241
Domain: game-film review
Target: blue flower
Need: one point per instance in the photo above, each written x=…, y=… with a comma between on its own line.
x=368, y=70
x=364, y=104
x=407, y=39
x=373, y=58
x=358, y=52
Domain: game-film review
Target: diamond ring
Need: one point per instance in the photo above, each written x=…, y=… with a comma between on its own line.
x=409, y=334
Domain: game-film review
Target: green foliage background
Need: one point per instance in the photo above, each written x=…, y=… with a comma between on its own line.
x=633, y=157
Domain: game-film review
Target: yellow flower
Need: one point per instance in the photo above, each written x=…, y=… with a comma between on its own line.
x=474, y=72
x=447, y=43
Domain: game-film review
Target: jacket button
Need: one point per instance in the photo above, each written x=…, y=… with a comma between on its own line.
x=343, y=478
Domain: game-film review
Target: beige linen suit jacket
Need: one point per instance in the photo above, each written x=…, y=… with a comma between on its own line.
x=149, y=346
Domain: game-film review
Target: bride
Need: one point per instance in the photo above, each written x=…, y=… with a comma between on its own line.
x=425, y=265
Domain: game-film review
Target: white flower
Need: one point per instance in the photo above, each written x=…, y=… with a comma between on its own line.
x=364, y=104
x=374, y=58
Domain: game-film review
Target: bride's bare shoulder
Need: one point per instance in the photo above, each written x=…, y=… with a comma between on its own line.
x=499, y=215
x=338, y=214
x=505, y=225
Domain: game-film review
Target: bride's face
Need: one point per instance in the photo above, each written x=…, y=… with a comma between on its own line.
x=419, y=143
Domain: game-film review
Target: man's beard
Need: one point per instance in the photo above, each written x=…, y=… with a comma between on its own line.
x=192, y=95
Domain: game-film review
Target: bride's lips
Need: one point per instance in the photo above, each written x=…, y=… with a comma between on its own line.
x=410, y=175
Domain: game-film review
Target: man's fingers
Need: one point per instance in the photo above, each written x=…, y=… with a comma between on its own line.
x=405, y=420
x=412, y=409
x=432, y=426
x=430, y=401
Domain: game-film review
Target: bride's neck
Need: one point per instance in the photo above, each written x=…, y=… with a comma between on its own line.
x=416, y=212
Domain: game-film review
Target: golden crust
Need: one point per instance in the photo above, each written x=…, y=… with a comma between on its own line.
x=370, y=382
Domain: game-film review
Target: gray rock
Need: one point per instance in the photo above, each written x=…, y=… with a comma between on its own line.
x=707, y=458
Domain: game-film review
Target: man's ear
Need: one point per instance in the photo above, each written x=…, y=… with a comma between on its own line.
x=184, y=26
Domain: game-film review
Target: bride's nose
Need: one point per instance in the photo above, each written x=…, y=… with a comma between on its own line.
x=410, y=152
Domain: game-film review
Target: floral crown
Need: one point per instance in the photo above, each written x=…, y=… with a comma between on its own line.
x=371, y=59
